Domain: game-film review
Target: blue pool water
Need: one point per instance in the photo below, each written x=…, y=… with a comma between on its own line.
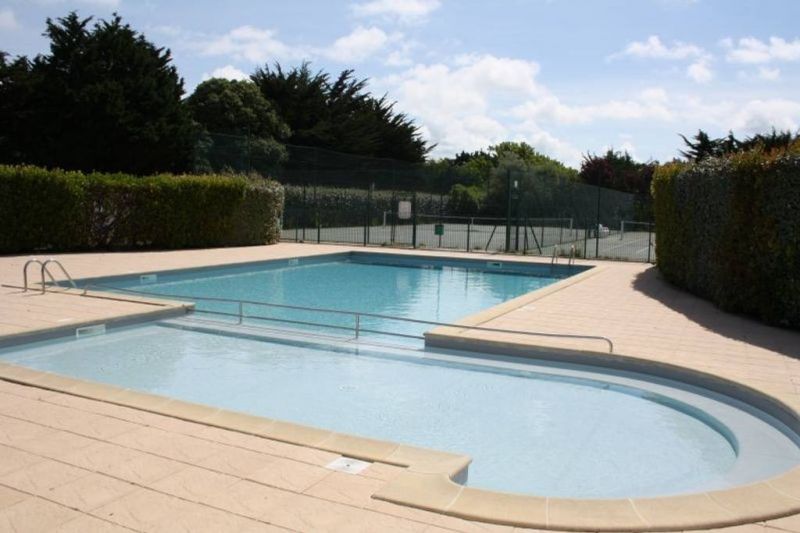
x=397, y=286
x=545, y=429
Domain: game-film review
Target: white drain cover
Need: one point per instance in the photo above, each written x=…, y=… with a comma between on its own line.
x=348, y=465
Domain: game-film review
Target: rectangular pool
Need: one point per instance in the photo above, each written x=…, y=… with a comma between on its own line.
x=422, y=288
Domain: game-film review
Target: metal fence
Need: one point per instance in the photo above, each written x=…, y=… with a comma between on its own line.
x=631, y=241
x=333, y=197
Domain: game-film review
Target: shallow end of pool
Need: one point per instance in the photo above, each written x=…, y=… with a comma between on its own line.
x=431, y=481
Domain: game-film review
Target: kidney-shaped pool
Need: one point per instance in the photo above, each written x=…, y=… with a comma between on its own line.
x=531, y=427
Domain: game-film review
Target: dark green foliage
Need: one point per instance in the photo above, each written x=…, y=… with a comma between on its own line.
x=104, y=99
x=729, y=230
x=464, y=200
x=620, y=172
x=702, y=146
x=339, y=114
x=538, y=178
x=58, y=210
x=240, y=129
x=339, y=206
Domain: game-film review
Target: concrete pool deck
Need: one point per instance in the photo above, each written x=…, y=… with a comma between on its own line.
x=645, y=317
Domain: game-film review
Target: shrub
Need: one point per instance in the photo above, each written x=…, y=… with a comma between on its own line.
x=465, y=200
x=729, y=230
x=344, y=206
x=60, y=210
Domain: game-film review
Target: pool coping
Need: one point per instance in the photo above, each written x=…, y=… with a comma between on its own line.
x=428, y=481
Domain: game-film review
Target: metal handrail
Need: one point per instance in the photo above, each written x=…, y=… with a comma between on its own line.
x=357, y=316
x=63, y=271
x=572, y=252
x=25, y=272
x=45, y=270
x=556, y=252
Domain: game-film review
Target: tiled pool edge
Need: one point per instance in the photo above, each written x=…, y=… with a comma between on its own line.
x=428, y=481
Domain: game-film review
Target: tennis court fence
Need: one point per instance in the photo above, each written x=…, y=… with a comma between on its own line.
x=629, y=241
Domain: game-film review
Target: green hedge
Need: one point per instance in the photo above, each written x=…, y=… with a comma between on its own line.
x=345, y=206
x=729, y=230
x=59, y=210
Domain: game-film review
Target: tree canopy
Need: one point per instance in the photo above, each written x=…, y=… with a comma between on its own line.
x=103, y=98
x=339, y=114
x=240, y=129
x=702, y=146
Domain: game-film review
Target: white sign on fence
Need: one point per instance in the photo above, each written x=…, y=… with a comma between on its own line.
x=403, y=209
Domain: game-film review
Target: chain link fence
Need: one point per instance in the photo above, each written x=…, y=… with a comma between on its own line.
x=331, y=197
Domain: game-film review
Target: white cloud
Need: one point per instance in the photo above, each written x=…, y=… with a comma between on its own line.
x=249, y=43
x=750, y=50
x=648, y=104
x=700, y=72
x=404, y=10
x=769, y=74
x=7, y=19
x=654, y=48
x=97, y=3
x=228, y=72
x=759, y=116
x=260, y=45
x=358, y=45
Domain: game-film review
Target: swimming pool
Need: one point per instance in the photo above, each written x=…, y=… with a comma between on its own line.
x=531, y=427
x=423, y=288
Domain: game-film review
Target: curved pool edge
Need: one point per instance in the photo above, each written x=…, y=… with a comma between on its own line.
x=428, y=483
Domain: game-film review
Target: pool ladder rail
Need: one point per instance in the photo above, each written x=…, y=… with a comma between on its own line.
x=557, y=254
x=45, y=270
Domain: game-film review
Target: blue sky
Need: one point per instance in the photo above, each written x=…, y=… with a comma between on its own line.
x=568, y=76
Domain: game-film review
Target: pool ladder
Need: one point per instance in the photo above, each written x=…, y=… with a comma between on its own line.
x=45, y=270
x=557, y=253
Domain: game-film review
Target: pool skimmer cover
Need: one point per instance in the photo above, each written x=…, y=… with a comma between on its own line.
x=348, y=465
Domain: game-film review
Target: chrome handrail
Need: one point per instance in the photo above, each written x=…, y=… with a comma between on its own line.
x=45, y=270
x=357, y=316
x=572, y=253
x=25, y=274
x=556, y=252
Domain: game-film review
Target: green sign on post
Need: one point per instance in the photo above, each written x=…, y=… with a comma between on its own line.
x=438, y=229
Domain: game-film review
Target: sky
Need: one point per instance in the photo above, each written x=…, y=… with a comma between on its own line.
x=570, y=77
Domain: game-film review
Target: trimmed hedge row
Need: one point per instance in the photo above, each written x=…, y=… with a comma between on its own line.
x=729, y=230
x=345, y=206
x=59, y=210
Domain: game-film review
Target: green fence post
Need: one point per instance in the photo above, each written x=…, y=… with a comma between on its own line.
x=469, y=228
x=414, y=219
x=316, y=215
x=508, y=210
x=597, y=226
x=649, y=240
x=368, y=214
x=586, y=240
x=305, y=214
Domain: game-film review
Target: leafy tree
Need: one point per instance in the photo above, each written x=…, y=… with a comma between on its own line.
x=103, y=98
x=16, y=130
x=702, y=146
x=339, y=114
x=619, y=171
x=240, y=130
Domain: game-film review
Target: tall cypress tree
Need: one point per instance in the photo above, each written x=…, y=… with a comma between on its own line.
x=104, y=98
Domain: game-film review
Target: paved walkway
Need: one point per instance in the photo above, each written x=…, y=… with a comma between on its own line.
x=71, y=464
